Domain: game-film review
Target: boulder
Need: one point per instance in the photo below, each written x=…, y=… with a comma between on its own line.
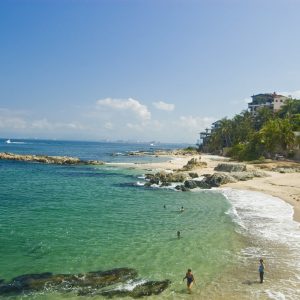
x=182, y=188
x=190, y=184
x=150, y=288
x=231, y=167
x=217, y=179
x=202, y=184
x=193, y=163
x=193, y=175
x=145, y=289
x=65, y=282
x=165, y=178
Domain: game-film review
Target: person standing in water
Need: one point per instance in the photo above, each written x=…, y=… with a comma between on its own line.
x=261, y=270
x=189, y=279
x=178, y=234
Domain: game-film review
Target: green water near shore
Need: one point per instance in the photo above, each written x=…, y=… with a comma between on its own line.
x=80, y=219
x=77, y=219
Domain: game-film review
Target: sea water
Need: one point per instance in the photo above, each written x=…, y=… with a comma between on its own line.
x=76, y=219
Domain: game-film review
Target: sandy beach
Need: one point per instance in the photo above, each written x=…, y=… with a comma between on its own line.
x=282, y=185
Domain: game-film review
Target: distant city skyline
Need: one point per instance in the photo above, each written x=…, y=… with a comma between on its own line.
x=140, y=70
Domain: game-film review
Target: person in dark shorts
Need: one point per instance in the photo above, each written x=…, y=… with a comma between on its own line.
x=261, y=270
x=189, y=279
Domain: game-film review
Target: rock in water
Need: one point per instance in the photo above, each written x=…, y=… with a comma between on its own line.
x=101, y=279
x=145, y=289
x=60, y=160
x=66, y=282
x=150, y=288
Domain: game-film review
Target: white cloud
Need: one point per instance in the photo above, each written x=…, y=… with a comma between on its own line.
x=130, y=104
x=136, y=127
x=164, y=106
x=42, y=124
x=195, y=123
x=19, y=121
x=242, y=101
x=108, y=125
x=294, y=94
x=12, y=119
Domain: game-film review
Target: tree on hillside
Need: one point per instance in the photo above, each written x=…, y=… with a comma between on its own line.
x=291, y=107
x=242, y=127
x=277, y=135
x=263, y=115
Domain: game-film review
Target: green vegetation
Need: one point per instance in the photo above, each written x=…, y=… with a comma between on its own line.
x=257, y=136
x=190, y=149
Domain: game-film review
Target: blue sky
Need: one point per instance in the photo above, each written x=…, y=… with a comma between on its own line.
x=140, y=70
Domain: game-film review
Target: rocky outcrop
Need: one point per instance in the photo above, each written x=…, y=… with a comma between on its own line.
x=37, y=282
x=286, y=170
x=231, y=167
x=164, y=178
x=194, y=163
x=243, y=176
x=193, y=175
x=86, y=284
x=140, y=290
x=218, y=179
x=60, y=160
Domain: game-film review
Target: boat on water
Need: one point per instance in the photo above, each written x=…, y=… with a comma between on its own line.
x=8, y=141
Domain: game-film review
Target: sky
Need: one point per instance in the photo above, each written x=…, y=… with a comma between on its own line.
x=140, y=70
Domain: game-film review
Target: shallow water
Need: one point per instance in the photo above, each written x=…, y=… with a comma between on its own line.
x=72, y=219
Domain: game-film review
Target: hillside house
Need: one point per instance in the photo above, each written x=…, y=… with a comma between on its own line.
x=269, y=100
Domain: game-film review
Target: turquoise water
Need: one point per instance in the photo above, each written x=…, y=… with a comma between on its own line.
x=72, y=219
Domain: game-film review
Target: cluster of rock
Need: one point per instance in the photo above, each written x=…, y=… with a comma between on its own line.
x=164, y=178
x=87, y=284
x=60, y=160
x=227, y=173
x=286, y=170
x=193, y=164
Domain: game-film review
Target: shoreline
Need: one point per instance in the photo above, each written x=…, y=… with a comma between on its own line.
x=285, y=186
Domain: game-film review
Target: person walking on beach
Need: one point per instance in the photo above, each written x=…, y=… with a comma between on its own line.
x=189, y=279
x=261, y=270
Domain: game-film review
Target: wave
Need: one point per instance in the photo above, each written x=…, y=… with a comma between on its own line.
x=274, y=235
x=263, y=215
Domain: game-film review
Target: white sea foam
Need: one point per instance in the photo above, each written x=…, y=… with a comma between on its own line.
x=264, y=215
x=269, y=221
x=275, y=295
x=130, y=285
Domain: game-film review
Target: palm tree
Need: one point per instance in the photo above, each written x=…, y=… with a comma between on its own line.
x=277, y=135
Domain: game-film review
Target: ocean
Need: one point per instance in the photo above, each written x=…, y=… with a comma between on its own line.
x=78, y=219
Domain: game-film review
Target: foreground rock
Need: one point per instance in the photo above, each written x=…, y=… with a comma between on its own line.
x=60, y=160
x=144, y=289
x=85, y=284
x=164, y=178
x=66, y=282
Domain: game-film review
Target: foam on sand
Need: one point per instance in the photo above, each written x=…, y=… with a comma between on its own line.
x=268, y=221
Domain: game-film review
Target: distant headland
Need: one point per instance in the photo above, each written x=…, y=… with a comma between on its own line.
x=59, y=160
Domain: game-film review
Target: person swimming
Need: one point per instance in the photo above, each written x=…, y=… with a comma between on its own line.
x=189, y=279
x=181, y=209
